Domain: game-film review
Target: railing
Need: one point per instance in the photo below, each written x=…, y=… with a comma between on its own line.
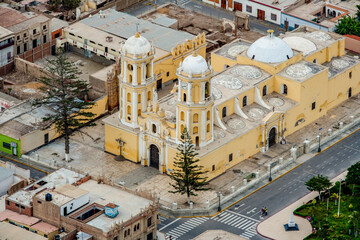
x=7, y=44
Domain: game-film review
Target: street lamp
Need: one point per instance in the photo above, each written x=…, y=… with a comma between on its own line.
x=339, y=197
x=219, y=195
x=319, y=148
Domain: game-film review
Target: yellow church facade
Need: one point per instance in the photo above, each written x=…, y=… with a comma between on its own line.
x=249, y=98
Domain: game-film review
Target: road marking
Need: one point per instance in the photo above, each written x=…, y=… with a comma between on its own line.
x=251, y=211
x=169, y=224
x=242, y=215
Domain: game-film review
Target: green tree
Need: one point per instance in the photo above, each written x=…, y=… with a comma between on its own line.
x=64, y=91
x=71, y=4
x=357, y=15
x=354, y=218
x=318, y=183
x=187, y=175
x=353, y=175
x=348, y=25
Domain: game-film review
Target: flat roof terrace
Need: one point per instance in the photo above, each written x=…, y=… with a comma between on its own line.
x=129, y=204
x=124, y=25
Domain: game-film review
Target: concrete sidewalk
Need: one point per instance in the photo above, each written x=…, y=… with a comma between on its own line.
x=273, y=227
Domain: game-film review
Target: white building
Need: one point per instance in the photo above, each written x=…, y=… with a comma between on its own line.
x=6, y=179
x=6, y=46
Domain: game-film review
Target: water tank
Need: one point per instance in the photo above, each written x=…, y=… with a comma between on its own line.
x=48, y=197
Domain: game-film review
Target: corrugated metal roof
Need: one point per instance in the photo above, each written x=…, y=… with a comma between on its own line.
x=124, y=25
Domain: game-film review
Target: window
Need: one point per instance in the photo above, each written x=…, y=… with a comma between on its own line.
x=22, y=207
x=264, y=91
x=350, y=75
x=149, y=222
x=207, y=90
x=34, y=42
x=25, y=35
x=224, y=112
x=315, y=60
x=138, y=226
x=184, y=97
x=313, y=105
x=208, y=115
x=149, y=95
x=113, y=50
x=296, y=26
x=213, y=167
x=17, y=205
x=273, y=17
x=44, y=27
x=45, y=235
x=129, y=110
x=135, y=228
x=72, y=34
x=39, y=202
x=129, y=97
x=7, y=202
x=182, y=128
x=130, y=67
x=92, y=42
x=245, y=101
x=44, y=39
x=7, y=146
x=230, y=157
x=154, y=128
x=115, y=238
x=208, y=128
x=195, y=130
x=25, y=47
x=34, y=31
x=182, y=116
x=284, y=89
x=248, y=9
x=18, y=50
x=100, y=44
x=106, y=49
x=168, y=74
x=139, y=98
x=196, y=118
x=350, y=93
x=18, y=38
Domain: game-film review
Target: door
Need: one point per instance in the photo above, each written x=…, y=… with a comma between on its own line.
x=197, y=142
x=261, y=14
x=65, y=211
x=237, y=6
x=46, y=138
x=154, y=156
x=223, y=4
x=350, y=92
x=149, y=236
x=158, y=84
x=14, y=151
x=286, y=25
x=272, y=137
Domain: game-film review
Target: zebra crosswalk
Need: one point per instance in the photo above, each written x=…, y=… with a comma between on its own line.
x=185, y=227
x=162, y=218
x=239, y=221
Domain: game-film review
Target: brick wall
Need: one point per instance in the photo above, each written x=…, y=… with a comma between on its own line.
x=47, y=211
x=19, y=209
x=38, y=52
x=7, y=68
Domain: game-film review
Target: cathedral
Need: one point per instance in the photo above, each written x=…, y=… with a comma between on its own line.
x=249, y=98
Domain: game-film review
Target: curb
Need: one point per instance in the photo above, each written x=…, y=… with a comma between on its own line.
x=283, y=174
x=25, y=164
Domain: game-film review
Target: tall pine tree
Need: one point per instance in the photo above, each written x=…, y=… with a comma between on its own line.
x=65, y=92
x=187, y=175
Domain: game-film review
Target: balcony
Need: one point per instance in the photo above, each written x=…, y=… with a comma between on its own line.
x=45, y=31
x=34, y=36
x=19, y=41
x=7, y=45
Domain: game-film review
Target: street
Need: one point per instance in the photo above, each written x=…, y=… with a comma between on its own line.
x=35, y=173
x=243, y=217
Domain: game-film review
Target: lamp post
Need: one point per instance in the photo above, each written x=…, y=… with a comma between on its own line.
x=339, y=198
x=319, y=148
x=219, y=207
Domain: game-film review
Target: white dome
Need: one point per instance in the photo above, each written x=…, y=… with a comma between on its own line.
x=194, y=64
x=137, y=45
x=270, y=49
x=301, y=44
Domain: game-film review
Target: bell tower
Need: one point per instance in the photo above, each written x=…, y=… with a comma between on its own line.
x=194, y=107
x=137, y=79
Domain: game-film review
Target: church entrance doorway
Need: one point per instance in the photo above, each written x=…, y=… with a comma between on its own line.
x=154, y=156
x=272, y=137
x=223, y=4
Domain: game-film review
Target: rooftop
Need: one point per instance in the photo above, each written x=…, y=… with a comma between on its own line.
x=340, y=64
x=278, y=4
x=71, y=191
x=20, y=218
x=301, y=71
x=313, y=11
x=8, y=98
x=9, y=231
x=129, y=204
x=57, y=198
x=56, y=24
x=9, y=17
x=55, y=179
x=5, y=33
x=124, y=25
x=5, y=173
x=28, y=23
x=44, y=227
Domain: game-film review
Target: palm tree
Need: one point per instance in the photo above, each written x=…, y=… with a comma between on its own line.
x=348, y=25
x=354, y=219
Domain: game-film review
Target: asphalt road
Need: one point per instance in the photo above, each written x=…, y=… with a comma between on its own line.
x=205, y=9
x=35, y=173
x=242, y=218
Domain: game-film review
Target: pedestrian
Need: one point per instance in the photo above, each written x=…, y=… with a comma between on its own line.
x=265, y=211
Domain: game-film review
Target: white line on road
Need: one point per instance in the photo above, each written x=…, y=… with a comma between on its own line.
x=169, y=224
x=243, y=215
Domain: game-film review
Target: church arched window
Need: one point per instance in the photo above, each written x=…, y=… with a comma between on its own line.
x=284, y=89
x=224, y=112
x=208, y=115
x=182, y=116
x=196, y=118
x=207, y=89
x=195, y=130
x=129, y=110
x=208, y=128
x=245, y=101
x=265, y=90
x=129, y=97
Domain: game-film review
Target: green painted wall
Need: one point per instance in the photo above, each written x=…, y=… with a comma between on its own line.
x=8, y=142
